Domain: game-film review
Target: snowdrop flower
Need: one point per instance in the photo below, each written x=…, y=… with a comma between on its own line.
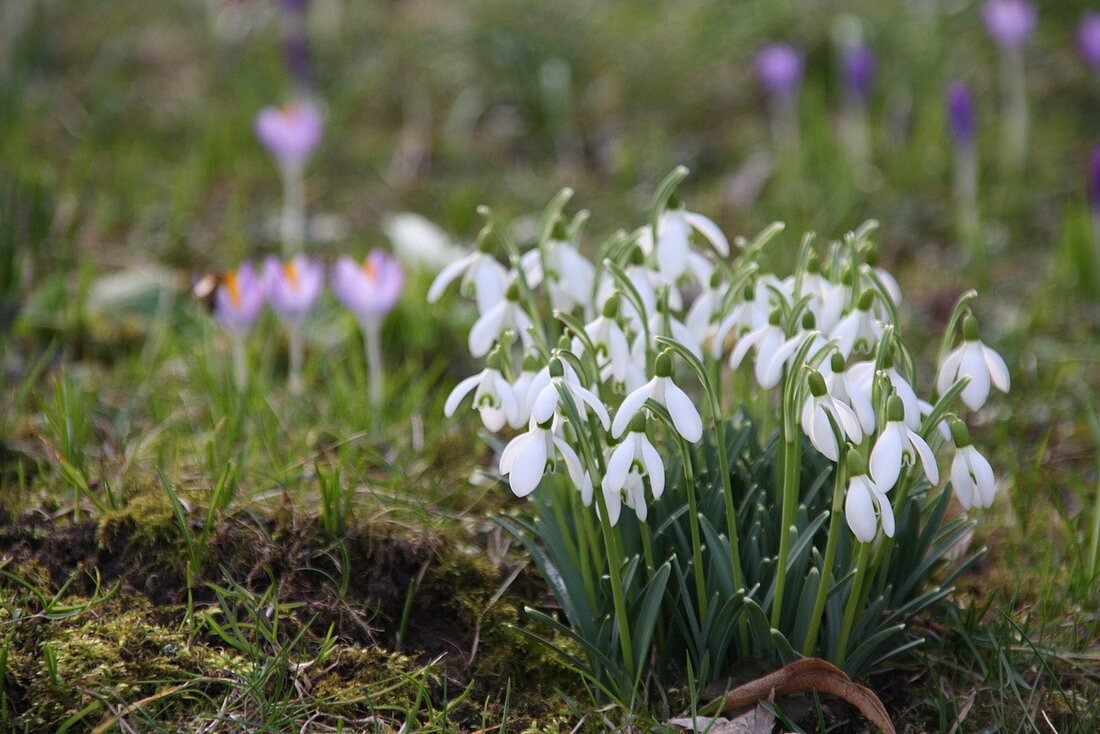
x=858, y=330
x=292, y=287
x=370, y=289
x=507, y=313
x=773, y=348
x=899, y=445
x=666, y=325
x=570, y=277
x=1010, y=22
x=865, y=503
x=531, y=455
x=971, y=475
x=816, y=423
x=612, y=348
x=685, y=417
x=631, y=460
x=700, y=317
x=522, y=388
x=978, y=362
x=481, y=274
x=290, y=133
x=749, y=314
x=494, y=398
x=870, y=267
x=673, y=247
x=862, y=374
x=645, y=280
x=845, y=384
x=238, y=299
x=547, y=402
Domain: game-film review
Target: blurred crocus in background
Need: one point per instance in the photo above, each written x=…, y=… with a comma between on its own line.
x=779, y=67
x=292, y=289
x=1088, y=39
x=370, y=291
x=1010, y=23
x=291, y=134
x=857, y=72
x=237, y=303
x=295, y=45
x=960, y=127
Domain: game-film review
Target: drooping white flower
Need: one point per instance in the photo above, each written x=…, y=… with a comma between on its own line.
x=843, y=384
x=773, y=349
x=547, y=403
x=899, y=445
x=632, y=460
x=481, y=274
x=866, y=504
x=700, y=317
x=522, y=388
x=863, y=375
x=749, y=314
x=816, y=423
x=685, y=416
x=612, y=348
x=506, y=314
x=570, y=277
x=971, y=475
x=673, y=247
x=667, y=325
x=494, y=398
x=858, y=330
x=978, y=362
x=531, y=455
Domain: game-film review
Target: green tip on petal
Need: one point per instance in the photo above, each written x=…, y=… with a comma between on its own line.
x=960, y=434
x=531, y=362
x=865, y=300
x=547, y=424
x=611, y=308
x=495, y=360
x=513, y=291
x=970, y=328
x=817, y=384
x=856, y=463
x=663, y=365
x=808, y=321
x=895, y=409
x=837, y=362
x=638, y=423
x=775, y=318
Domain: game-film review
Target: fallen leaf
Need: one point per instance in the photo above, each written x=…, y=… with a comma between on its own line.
x=758, y=721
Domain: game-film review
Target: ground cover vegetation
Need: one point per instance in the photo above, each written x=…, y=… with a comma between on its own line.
x=240, y=489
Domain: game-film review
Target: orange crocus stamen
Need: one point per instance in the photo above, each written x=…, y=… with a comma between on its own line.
x=291, y=273
x=368, y=268
x=234, y=289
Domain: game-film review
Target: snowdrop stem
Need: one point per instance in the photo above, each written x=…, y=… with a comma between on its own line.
x=613, y=560
x=542, y=337
x=836, y=518
x=1015, y=123
x=854, y=605
x=292, y=224
x=957, y=313
x=693, y=517
x=792, y=465
x=966, y=196
x=373, y=346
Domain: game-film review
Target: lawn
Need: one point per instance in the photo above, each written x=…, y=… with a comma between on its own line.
x=207, y=528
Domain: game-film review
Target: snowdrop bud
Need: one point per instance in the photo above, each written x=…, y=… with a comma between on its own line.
x=895, y=409
x=817, y=384
x=611, y=307
x=663, y=365
x=857, y=465
x=556, y=368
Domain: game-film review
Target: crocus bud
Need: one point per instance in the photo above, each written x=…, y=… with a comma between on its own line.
x=960, y=114
x=1094, y=180
x=291, y=133
x=857, y=69
x=1009, y=22
x=779, y=67
x=1088, y=39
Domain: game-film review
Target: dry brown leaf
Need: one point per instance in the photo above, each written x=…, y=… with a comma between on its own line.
x=803, y=676
x=757, y=721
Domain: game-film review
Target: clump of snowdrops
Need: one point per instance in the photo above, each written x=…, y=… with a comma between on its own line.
x=724, y=462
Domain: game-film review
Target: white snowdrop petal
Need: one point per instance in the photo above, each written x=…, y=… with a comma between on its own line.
x=998, y=370
x=486, y=329
x=859, y=511
x=513, y=447
x=654, y=467
x=572, y=462
x=848, y=421
x=528, y=466
x=685, y=417
x=983, y=472
x=493, y=419
x=618, y=466
x=447, y=275
x=885, y=461
x=490, y=280
x=927, y=458
x=631, y=404
x=614, y=502
x=710, y=231
x=460, y=391
x=823, y=437
x=962, y=482
x=508, y=399
x=682, y=334
x=587, y=396
x=949, y=371
x=886, y=512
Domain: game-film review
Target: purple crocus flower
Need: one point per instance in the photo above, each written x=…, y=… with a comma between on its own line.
x=960, y=114
x=857, y=67
x=1088, y=38
x=292, y=287
x=779, y=67
x=290, y=133
x=370, y=289
x=238, y=299
x=1094, y=180
x=1010, y=22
